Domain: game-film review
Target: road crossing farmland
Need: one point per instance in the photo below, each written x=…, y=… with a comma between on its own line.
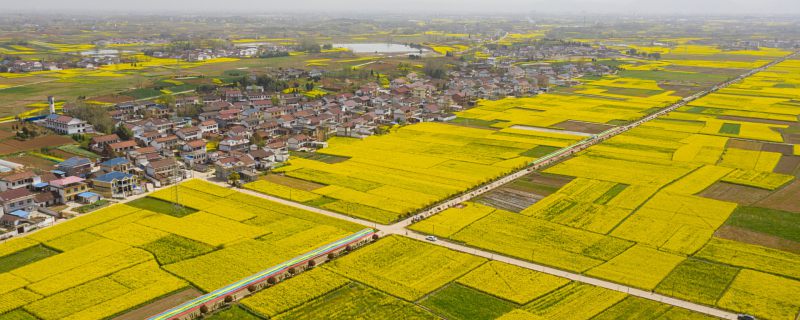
x=399, y=228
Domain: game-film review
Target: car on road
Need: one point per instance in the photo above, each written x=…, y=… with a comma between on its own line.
x=431, y=238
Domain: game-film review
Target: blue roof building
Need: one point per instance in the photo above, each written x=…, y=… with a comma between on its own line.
x=88, y=197
x=76, y=166
x=21, y=213
x=114, y=162
x=116, y=184
x=113, y=175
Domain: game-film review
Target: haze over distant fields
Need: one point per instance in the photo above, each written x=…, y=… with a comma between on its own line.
x=414, y=6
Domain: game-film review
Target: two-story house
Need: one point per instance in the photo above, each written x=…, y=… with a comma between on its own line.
x=116, y=164
x=165, y=143
x=194, y=152
x=67, y=189
x=209, y=127
x=234, y=144
x=242, y=164
x=120, y=148
x=18, y=180
x=165, y=171
x=116, y=184
x=189, y=133
x=63, y=124
x=98, y=143
x=17, y=199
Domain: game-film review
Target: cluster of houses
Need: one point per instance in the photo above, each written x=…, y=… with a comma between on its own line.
x=547, y=49
x=238, y=51
x=22, y=66
x=84, y=62
x=27, y=196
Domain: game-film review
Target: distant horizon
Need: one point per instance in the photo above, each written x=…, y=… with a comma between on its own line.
x=410, y=15
x=415, y=7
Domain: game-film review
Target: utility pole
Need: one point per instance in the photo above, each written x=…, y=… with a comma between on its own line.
x=177, y=207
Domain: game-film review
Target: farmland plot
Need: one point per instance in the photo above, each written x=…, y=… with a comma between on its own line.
x=117, y=258
x=405, y=268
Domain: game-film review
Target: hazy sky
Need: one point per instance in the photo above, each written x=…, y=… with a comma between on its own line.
x=415, y=6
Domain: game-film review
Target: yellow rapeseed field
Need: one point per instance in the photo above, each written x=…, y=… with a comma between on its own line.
x=510, y=282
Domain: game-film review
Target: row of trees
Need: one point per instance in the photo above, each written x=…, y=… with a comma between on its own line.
x=653, y=55
x=96, y=115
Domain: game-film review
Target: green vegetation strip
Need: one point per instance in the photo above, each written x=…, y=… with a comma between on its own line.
x=24, y=257
x=161, y=206
x=777, y=223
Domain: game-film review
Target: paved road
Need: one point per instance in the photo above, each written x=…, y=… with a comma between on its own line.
x=580, y=278
x=332, y=214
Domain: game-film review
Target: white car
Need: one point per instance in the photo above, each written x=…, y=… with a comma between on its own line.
x=431, y=238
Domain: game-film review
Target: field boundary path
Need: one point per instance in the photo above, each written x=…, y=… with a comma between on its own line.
x=399, y=228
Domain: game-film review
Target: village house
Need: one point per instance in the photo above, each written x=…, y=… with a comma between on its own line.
x=233, y=144
x=165, y=143
x=116, y=184
x=45, y=198
x=194, y=152
x=76, y=166
x=240, y=163
x=98, y=143
x=67, y=189
x=163, y=126
x=147, y=137
x=156, y=111
x=119, y=148
x=63, y=124
x=189, y=133
x=17, y=199
x=116, y=164
x=209, y=127
x=302, y=142
x=264, y=158
x=164, y=171
x=18, y=180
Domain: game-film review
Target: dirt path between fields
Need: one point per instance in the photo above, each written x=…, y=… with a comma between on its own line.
x=160, y=305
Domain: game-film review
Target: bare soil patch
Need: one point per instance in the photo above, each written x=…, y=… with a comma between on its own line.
x=4, y=134
x=786, y=149
x=32, y=162
x=509, y=199
x=757, y=238
x=745, y=145
x=14, y=145
x=681, y=90
x=787, y=198
x=292, y=182
x=159, y=305
x=540, y=184
x=735, y=193
x=572, y=125
x=758, y=120
x=788, y=165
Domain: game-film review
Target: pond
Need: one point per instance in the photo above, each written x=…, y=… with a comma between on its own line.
x=378, y=47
